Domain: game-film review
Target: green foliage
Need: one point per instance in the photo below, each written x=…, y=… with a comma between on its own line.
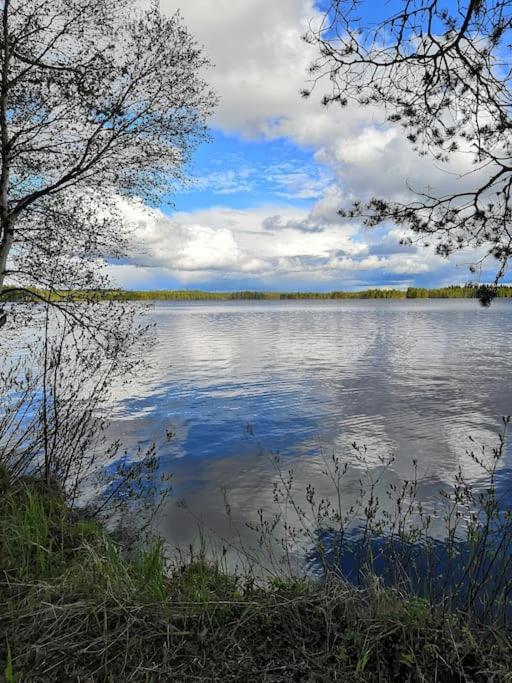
x=150, y=572
x=9, y=671
x=201, y=582
x=32, y=531
x=66, y=588
x=289, y=585
x=452, y=292
x=86, y=530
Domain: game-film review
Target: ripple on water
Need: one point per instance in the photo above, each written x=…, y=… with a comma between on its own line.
x=410, y=379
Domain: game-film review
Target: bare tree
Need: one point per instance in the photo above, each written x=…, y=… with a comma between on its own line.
x=99, y=100
x=443, y=72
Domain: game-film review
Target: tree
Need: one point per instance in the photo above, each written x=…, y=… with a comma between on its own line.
x=99, y=101
x=442, y=71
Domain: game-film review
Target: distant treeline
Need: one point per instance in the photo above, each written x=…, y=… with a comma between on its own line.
x=451, y=292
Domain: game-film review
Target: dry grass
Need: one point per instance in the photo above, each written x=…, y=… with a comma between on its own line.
x=77, y=606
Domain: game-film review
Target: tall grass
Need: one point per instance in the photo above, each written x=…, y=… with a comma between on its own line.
x=455, y=552
x=78, y=603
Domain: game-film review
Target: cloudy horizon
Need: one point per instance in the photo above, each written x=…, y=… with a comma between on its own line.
x=261, y=212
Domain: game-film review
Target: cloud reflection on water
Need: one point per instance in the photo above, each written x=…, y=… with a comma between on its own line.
x=233, y=381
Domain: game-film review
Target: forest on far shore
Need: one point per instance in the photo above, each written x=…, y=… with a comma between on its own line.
x=469, y=291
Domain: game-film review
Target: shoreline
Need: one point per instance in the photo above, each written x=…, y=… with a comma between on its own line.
x=79, y=605
x=411, y=293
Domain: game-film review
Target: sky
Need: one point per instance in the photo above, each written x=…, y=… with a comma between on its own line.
x=261, y=212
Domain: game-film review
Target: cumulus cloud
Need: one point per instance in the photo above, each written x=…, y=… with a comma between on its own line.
x=260, y=66
x=267, y=247
x=258, y=55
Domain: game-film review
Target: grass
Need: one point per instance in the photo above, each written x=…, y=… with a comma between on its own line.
x=78, y=605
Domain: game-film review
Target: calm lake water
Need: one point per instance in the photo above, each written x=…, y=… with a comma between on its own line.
x=236, y=382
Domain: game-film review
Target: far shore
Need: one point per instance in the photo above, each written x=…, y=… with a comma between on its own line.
x=450, y=292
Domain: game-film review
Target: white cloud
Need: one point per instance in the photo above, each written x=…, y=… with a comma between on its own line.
x=367, y=147
x=268, y=246
x=288, y=179
x=258, y=55
x=260, y=66
x=297, y=184
x=226, y=182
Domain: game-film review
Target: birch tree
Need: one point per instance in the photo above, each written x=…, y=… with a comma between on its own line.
x=99, y=100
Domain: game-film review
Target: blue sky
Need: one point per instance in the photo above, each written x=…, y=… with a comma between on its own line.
x=261, y=212
x=243, y=173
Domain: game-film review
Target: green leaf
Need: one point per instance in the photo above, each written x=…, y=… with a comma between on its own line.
x=9, y=670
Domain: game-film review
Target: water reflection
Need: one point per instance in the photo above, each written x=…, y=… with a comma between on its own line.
x=234, y=381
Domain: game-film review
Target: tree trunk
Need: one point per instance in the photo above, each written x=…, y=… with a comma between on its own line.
x=5, y=247
x=6, y=220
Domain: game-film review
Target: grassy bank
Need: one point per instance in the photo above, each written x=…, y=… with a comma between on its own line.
x=77, y=604
x=452, y=292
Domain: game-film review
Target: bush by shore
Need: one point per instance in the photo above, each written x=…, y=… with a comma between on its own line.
x=77, y=604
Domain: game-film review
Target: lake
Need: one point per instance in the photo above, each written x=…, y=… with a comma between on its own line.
x=237, y=382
